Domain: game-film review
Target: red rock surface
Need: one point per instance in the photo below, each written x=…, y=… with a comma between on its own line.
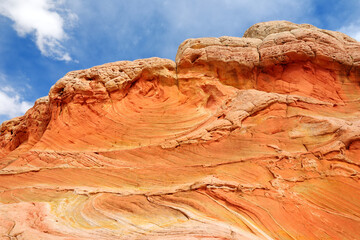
x=241, y=138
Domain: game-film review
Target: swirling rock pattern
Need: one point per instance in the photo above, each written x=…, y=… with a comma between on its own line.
x=240, y=138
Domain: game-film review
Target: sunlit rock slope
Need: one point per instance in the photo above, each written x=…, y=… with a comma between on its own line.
x=241, y=138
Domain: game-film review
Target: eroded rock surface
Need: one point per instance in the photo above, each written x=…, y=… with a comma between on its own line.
x=240, y=138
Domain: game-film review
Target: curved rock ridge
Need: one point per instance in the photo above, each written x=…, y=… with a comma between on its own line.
x=240, y=138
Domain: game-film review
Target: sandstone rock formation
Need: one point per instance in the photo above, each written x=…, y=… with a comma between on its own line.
x=241, y=138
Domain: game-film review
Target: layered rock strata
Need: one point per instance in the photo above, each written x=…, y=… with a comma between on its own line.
x=240, y=138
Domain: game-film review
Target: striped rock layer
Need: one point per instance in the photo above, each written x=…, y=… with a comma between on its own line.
x=240, y=138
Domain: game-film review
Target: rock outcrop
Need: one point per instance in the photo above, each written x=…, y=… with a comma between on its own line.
x=240, y=138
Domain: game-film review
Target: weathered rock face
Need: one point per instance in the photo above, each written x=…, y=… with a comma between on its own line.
x=242, y=138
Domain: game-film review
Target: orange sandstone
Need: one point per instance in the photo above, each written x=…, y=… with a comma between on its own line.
x=240, y=138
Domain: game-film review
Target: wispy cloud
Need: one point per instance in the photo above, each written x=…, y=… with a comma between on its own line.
x=44, y=20
x=12, y=104
x=353, y=30
x=116, y=30
x=228, y=16
x=212, y=18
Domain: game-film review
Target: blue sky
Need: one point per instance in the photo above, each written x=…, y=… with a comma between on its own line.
x=42, y=40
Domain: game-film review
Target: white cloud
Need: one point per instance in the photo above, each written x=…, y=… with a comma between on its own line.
x=353, y=30
x=44, y=20
x=12, y=104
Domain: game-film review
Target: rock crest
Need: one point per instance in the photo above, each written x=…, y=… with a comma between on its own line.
x=240, y=138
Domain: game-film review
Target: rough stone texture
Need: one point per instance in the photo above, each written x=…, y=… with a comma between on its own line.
x=242, y=138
